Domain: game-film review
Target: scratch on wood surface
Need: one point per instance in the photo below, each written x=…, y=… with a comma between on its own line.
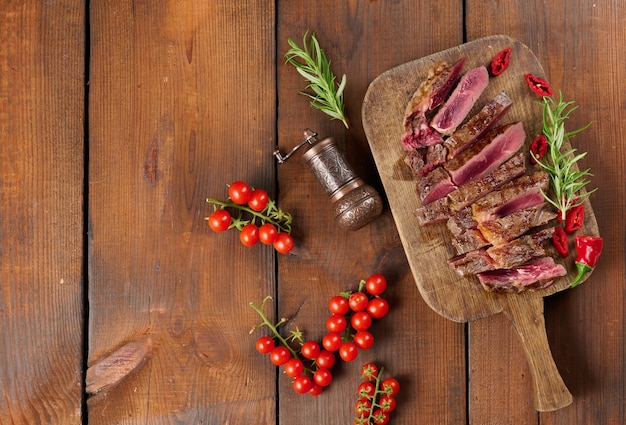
x=112, y=369
x=151, y=164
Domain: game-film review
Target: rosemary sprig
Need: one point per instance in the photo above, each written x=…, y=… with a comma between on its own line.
x=566, y=181
x=312, y=64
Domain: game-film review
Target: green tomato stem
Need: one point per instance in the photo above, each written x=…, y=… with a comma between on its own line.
x=259, y=214
x=274, y=328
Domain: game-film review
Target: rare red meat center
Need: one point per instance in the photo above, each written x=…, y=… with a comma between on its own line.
x=461, y=101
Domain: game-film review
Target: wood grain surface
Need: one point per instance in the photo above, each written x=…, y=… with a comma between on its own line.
x=185, y=97
x=41, y=200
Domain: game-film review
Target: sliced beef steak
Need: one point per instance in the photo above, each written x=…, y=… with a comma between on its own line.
x=436, y=212
x=523, y=192
x=513, y=254
x=520, y=250
x=461, y=221
x=442, y=209
x=486, y=154
x=505, y=229
x=434, y=185
x=461, y=101
x=478, y=125
x=429, y=95
x=472, y=263
x=536, y=274
x=469, y=240
x=472, y=191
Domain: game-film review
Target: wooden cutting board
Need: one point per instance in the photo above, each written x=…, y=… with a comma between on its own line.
x=428, y=247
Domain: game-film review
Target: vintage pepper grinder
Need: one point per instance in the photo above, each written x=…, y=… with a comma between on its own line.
x=355, y=203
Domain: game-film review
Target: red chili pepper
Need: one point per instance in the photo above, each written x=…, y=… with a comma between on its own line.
x=539, y=148
x=588, y=250
x=538, y=85
x=559, y=239
x=575, y=218
x=501, y=61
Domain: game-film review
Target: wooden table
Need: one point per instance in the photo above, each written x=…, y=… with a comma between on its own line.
x=118, y=119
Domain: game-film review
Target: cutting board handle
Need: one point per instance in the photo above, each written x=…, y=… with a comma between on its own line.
x=526, y=314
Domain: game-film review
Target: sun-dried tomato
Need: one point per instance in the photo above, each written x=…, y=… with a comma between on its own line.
x=559, y=239
x=538, y=85
x=500, y=62
x=575, y=218
x=539, y=148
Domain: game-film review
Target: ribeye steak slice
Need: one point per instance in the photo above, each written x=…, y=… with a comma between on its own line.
x=523, y=192
x=430, y=94
x=486, y=154
x=536, y=274
x=478, y=125
x=459, y=104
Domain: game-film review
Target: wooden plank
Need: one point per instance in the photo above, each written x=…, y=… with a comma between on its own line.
x=182, y=103
x=585, y=325
x=41, y=200
x=424, y=351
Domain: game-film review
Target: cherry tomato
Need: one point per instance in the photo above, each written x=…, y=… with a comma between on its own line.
x=294, y=368
x=363, y=407
x=316, y=389
x=338, y=305
x=280, y=355
x=302, y=384
x=219, y=220
x=325, y=359
x=376, y=284
x=283, y=243
x=369, y=371
x=380, y=417
x=249, y=235
x=391, y=386
x=361, y=320
x=378, y=308
x=323, y=377
x=258, y=200
x=264, y=345
x=364, y=340
x=239, y=192
x=331, y=341
x=366, y=390
x=358, y=301
x=336, y=323
x=348, y=351
x=387, y=403
x=310, y=350
x=268, y=233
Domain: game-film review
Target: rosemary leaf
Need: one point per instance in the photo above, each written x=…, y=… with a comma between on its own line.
x=312, y=64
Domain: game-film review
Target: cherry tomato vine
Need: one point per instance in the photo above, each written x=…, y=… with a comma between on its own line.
x=309, y=362
x=255, y=215
x=376, y=396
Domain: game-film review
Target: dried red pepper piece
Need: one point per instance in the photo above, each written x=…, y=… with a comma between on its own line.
x=538, y=85
x=559, y=239
x=500, y=62
x=539, y=148
x=575, y=218
x=588, y=250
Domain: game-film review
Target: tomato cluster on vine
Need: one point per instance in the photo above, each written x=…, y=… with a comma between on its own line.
x=376, y=396
x=352, y=315
x=309, y=362
x=257, y=219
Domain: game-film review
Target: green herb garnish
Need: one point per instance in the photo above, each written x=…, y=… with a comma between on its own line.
x=566, y=181
x=312, y=64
